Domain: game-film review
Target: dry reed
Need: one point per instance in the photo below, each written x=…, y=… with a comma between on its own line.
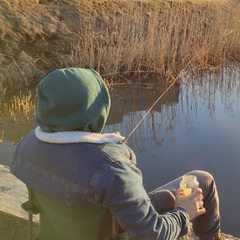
x=124, y=37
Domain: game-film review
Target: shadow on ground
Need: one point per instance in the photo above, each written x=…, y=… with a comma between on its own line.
x=15, y=228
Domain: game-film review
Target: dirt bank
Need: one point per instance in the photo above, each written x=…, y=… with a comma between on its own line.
x=37, y=36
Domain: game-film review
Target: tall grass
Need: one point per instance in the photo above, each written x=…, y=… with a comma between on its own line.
x=125, y=37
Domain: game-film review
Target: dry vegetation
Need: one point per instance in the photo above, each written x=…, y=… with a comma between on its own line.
x=117, y=38
x=159, y=37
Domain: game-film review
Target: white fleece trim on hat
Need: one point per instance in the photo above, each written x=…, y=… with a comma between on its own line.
x=77, y=136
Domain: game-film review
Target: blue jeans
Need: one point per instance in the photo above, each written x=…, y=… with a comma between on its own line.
x=206, y=225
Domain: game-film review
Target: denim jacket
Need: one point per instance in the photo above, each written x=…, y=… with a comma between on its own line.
x=90, y=175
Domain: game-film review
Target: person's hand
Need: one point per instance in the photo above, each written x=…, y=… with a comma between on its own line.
x=192, y=203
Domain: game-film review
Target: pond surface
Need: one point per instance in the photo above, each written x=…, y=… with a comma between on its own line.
x=196, y=125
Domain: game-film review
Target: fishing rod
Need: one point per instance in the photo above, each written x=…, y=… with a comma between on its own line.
x=160, y=97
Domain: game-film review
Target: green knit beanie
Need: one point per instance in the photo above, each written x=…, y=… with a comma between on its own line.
x=72, y=98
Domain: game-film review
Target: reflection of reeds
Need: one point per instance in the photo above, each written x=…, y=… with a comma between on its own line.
x=21, y=108
x=2, y=134
x=204, y=93
x=129, y=37
x=17, y=116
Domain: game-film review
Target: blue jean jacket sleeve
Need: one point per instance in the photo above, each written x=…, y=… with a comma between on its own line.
x=119, y=187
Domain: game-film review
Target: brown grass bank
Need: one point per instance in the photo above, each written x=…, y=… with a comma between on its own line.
x=117, y=38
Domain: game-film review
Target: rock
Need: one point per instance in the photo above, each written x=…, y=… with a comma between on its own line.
x=13, y=193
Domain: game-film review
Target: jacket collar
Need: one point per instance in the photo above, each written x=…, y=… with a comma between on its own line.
x=77, y=137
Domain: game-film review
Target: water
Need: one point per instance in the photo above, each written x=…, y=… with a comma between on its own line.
x=195, y=126
x=199, y=130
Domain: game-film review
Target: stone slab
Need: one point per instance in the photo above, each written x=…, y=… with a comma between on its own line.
x=13, y=193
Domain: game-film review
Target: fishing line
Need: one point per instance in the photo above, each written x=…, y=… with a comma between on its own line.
x=152, y=106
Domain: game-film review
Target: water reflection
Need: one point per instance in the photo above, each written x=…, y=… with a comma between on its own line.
x=195, y=126
x=199, y=130
x=17, y=117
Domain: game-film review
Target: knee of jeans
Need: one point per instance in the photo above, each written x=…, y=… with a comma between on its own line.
x=204, y=178
x=166, y=201
x=170, y=199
